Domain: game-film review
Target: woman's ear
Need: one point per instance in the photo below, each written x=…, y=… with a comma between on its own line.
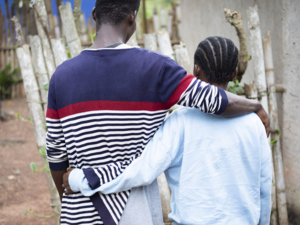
x=233, y=77
x=197, y=71
x=94, y=13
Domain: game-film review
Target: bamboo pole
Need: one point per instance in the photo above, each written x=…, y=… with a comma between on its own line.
x=258, y=56
x=70, y=31
x=40, y=68
x=77, y=12
x=155, y=20
x=279, y=171
x=38, y=119
x=170, y=22
x=236, y=20
x=182, y=57
x=41, y=23
x=59, y=49
x=150, y=42
x=8, y=21
x=164, y=43
x=163, y=19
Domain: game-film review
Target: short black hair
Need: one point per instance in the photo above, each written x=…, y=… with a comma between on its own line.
x=218, y=57
x=114, y=11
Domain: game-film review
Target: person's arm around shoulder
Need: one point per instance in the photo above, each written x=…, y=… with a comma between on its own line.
x=265, y=181
x=155, y=159
x=186, y=90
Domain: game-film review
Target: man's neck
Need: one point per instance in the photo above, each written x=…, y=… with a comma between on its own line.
x=108, y=35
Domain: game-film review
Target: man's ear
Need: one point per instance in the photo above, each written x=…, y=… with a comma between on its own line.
x=94, y=13
x=132, y=18
x=233, y=77
x=197, y=71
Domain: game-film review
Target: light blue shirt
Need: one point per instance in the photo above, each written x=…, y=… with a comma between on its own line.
x=218, y=169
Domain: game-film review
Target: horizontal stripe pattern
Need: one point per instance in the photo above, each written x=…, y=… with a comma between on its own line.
x=104, y=139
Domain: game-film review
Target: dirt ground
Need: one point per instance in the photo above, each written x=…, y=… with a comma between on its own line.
x=20, y=189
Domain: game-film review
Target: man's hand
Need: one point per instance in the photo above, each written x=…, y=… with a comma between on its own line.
x=66, y=182
x=264, y=118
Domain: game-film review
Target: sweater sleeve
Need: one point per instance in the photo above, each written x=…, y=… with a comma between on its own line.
x=178, y=88
x=55, y=140
x=157, y=157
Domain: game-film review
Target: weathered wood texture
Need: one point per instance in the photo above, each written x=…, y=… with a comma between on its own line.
x=69, y=28
x=59, y=50
x=257, y=56
x=164, y=44
x=182, y=57
x=279, y=171
x=38, y=118
x=150, y=42
x=40, y=69
x=236, y=20
x=47, y=50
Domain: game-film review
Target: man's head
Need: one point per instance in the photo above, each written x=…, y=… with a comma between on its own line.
x=121, y=13
x=216, y=61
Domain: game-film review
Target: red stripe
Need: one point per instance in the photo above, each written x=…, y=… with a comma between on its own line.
x=121, y=105
x=52, y=114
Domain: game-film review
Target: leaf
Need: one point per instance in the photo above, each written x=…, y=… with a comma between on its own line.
x=25, y=213
x=46, y=87
x=42, y=151
x=33, y=166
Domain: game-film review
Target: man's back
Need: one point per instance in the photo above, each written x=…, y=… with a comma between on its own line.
x=216, y=177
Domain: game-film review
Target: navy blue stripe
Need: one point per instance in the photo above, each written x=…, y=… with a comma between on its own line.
x=102, y=210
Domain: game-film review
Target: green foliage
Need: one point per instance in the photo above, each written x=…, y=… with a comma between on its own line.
x=68, y=52
x=37, y=215
x=274, y=141
x=93, y=38
x=7, y=79
x=33, y=166
x=46, y=87
x=234, y=86
x=22, y=119
x=42, y=152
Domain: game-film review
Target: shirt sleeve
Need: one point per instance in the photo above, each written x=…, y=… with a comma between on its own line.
x=55, y=140
x=178, y=88
x=265, y=181
x=158, y=155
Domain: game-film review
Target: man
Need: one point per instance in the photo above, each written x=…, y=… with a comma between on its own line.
x=219, y=170
x=106, y=104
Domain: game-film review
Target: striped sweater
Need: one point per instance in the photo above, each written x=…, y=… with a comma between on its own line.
x=103, y=108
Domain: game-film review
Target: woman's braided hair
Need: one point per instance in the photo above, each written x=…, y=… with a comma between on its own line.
x=218, y=57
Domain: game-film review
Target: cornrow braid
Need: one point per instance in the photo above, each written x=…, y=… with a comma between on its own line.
x=218, y=57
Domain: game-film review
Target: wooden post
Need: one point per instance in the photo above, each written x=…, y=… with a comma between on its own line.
x=279, y=171
x=182, y=57
x=48, y=5
x=236, y=20
x=258, y=56
x=155, y=20
x=83, y=31
x=170, y=22
x=70, y=31
x=77, y=12
x=59, y=49
x=41, y=14
x=38, y=119
x=150, y=42
x=164, y=43
x=178, y=17
x=145, y=25
x=56, y=28
x=163, y=19
x=40, y=68
x=8, y=21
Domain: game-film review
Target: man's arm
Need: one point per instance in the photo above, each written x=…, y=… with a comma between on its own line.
x=156, y=158
x=55, y=141
x=178, y=88
x=265, y=182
